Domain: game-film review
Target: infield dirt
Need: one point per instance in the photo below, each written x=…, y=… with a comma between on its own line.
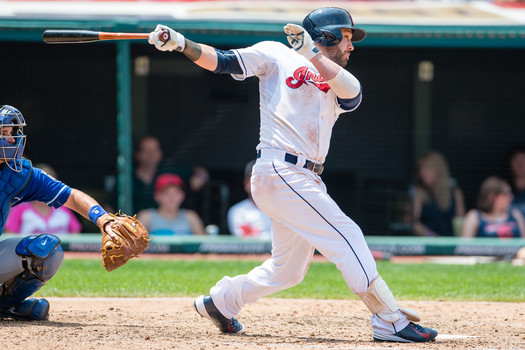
x=172, y=323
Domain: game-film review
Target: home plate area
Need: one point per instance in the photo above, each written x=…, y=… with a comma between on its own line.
x=172, y=323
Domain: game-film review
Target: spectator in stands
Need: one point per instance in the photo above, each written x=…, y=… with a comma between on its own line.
x=516, y=176
x=36, y=217
x=244, y=218
x=148, y=156
x=493, y=216
x=437, y=200
x=170, y=218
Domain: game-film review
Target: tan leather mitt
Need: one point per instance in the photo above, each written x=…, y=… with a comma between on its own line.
x=131, y=239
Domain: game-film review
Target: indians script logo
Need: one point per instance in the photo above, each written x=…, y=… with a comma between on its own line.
x=303, y=76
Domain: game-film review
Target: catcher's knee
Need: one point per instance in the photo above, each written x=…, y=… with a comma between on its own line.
x=380, y=301
x=41, y=255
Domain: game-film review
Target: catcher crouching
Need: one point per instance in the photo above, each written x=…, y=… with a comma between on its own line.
x=28, y=262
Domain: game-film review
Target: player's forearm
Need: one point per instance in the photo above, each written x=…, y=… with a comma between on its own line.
x=80, y=202
x=342, y=82
x=203, y=55
x=326, y=67
x=84, y=204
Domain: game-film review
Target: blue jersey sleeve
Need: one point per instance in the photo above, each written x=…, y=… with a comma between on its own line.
x=350, y=104
x=43, y=188
x=227, y=63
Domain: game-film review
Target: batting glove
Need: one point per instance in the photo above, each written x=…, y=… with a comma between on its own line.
x=166, y=39
x=301, y=41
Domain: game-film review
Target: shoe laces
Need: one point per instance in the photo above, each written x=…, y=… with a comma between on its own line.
x=232, y=324
x=417, y=327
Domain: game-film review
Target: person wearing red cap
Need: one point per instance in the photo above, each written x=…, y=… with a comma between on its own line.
x=169, y=218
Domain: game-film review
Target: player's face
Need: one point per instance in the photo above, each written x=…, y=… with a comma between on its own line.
x=7, y=132
x=340, y=53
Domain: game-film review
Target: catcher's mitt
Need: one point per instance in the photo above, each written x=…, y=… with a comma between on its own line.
x=131, y=239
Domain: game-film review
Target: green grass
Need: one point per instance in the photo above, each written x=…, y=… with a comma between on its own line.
x=161, y=278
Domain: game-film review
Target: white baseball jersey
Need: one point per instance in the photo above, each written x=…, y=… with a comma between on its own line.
x=298, y=109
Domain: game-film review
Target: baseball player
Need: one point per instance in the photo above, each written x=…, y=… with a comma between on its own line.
x=28, y=262
x=303, y=90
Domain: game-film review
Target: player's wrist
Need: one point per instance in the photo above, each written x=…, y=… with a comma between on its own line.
x=180, y=41
x=310, y=51
x=95, y=212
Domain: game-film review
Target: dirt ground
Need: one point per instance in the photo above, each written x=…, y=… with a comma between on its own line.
x=172, y=323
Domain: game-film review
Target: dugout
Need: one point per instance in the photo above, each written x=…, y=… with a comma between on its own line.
x=446, y=76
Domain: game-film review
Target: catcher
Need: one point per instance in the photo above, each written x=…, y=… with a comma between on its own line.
x=28, y=262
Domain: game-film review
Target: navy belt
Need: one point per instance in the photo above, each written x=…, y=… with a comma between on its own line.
x=292, y=158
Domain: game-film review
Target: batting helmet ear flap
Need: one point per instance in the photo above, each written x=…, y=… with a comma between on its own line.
x=329, y=39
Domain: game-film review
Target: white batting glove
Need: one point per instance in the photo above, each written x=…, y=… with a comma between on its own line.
x=301, y=41
x=173, y=41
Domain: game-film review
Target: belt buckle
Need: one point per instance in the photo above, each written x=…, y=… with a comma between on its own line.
x=315, y=167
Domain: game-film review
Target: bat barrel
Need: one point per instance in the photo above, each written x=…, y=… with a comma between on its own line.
x=70, y=36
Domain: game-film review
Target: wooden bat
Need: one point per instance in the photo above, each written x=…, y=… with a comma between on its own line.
x=70, y=36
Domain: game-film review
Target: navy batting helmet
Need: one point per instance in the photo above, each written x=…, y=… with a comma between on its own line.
x=324, y=26
x=12, y=141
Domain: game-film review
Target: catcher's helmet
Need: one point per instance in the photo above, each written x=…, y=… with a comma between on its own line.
x=324, y=26
x=12, y=143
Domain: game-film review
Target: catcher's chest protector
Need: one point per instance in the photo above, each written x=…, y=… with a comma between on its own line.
x=11, y=183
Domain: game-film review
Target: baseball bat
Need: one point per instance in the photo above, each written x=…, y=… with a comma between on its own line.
x=54, y=36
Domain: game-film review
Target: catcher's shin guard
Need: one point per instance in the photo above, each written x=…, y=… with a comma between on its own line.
x=42, y=256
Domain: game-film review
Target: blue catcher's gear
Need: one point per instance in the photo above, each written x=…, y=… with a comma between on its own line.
x=12, y=138
x=324, y=26
x=11, y=184
x=42, y=256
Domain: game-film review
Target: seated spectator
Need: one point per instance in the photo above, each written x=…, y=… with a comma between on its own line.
x=516, y=164
x=37, y=217
x=148, y=164
x=170, y=218
x=244, y=218
x=494, y=216
x=437, y=200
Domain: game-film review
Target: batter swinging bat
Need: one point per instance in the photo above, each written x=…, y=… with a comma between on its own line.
x=67, y=36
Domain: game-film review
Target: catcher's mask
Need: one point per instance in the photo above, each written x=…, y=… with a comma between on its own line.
x=12, y=138
x=324, y=26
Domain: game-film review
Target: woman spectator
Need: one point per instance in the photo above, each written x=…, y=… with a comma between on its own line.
x=494, y=216
x=437, y=200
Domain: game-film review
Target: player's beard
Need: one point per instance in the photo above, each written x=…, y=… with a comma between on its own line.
x=336, y=55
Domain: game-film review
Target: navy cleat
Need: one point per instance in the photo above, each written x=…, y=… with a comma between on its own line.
x=413, y=333
x=29, y=309
x=206, y=308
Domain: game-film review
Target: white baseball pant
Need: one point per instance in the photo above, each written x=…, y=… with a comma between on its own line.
x=304, y=218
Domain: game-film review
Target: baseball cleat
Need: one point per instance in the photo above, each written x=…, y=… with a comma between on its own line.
x=29, y=309
x=206, y=308
x=413, y=333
